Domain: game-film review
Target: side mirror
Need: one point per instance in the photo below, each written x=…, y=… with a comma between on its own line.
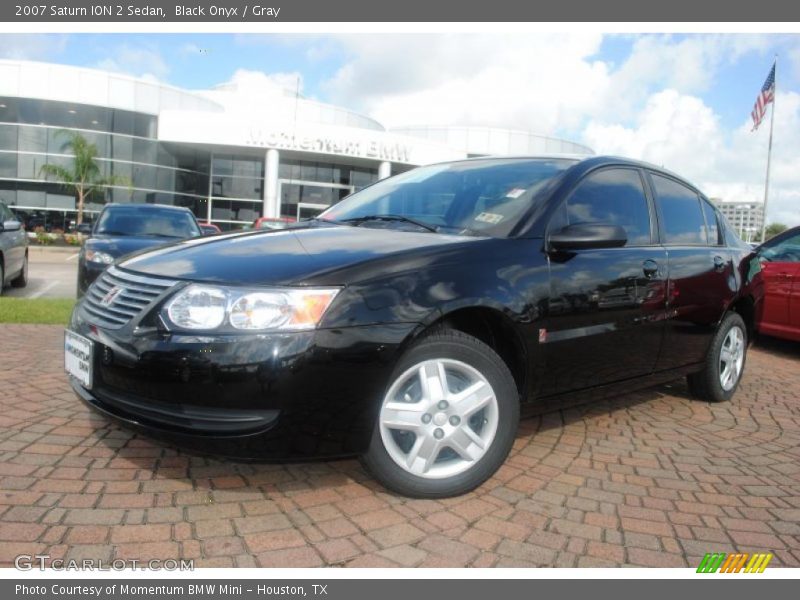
x=10, y=226
x=588, y=235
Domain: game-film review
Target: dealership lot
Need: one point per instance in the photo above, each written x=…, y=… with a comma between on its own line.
x=648, y=479
x=52, y=274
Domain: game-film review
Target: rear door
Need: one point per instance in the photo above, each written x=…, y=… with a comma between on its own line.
x=605, y=315
x=701, y=272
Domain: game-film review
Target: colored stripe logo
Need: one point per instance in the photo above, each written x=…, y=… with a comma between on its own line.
x=734, y=563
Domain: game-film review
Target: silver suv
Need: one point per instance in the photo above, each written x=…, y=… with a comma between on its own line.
x=13, y=250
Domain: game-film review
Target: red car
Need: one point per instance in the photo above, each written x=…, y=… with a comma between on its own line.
x=272, y=223
x=209, y=228
x=780, y=264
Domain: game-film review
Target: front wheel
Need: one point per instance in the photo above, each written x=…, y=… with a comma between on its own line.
x=448, y=418
x=724, y=364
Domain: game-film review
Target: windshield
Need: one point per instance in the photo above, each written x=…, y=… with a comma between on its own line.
x=478, y=196
x=155, y=222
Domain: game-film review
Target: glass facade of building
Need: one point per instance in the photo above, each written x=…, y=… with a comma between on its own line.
x=225, y=188
x=34, y=133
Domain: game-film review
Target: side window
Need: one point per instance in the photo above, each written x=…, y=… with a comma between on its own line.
x=787, y=250
x=613, y=196
x=683, y=221
x=712, y=224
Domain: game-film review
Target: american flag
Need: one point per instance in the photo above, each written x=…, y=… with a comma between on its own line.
x=766, y=96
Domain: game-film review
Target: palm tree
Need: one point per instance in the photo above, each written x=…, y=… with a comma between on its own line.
x=84, y=178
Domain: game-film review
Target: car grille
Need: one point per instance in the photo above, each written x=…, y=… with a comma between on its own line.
x=117, y=297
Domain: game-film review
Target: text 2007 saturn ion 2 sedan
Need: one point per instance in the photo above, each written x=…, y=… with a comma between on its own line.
x=413, y=322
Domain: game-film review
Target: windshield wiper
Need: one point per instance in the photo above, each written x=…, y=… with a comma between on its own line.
x=401, y=218
x=111, y=232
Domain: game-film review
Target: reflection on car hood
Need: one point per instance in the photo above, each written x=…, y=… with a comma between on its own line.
x=283, y=257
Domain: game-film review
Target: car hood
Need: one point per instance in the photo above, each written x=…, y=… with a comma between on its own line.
x=121, y=245
x=292, y=256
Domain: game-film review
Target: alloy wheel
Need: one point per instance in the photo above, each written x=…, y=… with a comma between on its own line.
x=439, y=418
x=731, y=358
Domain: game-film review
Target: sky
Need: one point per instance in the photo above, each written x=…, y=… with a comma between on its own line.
x=681, y=101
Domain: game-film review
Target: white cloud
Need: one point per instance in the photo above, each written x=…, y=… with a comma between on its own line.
x=26, y=46
x=687, y=64
x=144, y=62
x=258, y=82
x=536, y=82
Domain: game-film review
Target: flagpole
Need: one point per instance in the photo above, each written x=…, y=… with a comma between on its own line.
x=769, y=154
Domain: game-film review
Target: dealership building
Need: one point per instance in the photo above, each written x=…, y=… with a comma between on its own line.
x=231, y=154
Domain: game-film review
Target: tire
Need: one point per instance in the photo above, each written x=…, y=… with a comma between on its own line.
x=711, y=383
x=22, y=279
x=443, y=442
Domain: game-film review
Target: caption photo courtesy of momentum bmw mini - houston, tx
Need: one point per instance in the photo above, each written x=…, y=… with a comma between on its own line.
x=413, y=323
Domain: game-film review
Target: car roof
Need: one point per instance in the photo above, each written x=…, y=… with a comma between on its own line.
x=585, y=162
x=146, y=207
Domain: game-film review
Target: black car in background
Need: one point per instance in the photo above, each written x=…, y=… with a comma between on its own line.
x=127, y=228
x=413, y=322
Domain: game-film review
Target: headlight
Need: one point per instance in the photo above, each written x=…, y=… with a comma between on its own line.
x=99, y=257
x=198, y=307
x=210, y=307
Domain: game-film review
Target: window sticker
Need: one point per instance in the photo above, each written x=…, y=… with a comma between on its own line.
x=487, y=217
x=515, y=193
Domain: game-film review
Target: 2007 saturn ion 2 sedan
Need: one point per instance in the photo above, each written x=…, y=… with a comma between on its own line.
x=412, y=323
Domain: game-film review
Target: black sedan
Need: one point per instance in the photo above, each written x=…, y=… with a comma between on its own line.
x=412, y=323
x=123, y=229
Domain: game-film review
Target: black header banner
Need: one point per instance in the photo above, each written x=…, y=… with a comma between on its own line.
x=267, y=11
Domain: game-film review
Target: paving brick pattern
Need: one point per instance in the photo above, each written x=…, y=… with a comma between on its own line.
x=648, y=479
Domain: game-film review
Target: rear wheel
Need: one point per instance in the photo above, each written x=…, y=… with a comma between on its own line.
x=724, y=364
x=448, y=419
x=22, y=279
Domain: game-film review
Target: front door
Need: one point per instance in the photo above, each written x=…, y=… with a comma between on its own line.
x=780, y=268
x=604, y=319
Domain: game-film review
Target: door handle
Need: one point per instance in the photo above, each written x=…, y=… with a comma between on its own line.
x=719, y=263
x=650, y=268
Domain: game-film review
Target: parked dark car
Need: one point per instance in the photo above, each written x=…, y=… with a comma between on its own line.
x=126, y=228
x=84, y=228
x=414, y=321
x=13, y=250
x=780, y=264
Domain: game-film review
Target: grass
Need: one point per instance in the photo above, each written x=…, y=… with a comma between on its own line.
x=51, y=311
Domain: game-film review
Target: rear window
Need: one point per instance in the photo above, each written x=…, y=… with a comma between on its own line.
x=681, y=215
x=712, y=224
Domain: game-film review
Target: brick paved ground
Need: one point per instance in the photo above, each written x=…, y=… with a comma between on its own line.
x=651, y=479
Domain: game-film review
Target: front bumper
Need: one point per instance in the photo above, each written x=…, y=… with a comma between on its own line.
x=265, y=397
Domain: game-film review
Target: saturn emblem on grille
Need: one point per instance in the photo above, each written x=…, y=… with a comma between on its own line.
x=111, y=295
